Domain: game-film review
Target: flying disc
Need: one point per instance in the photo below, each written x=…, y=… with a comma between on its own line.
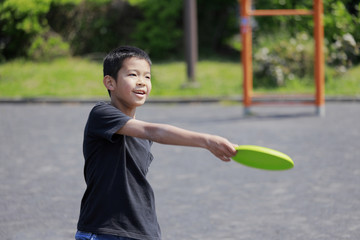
x=262, y=158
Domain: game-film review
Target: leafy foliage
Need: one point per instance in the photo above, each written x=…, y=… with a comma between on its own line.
x=343, y=53
x=341, y=32
x=159, y=31
x=25, y=30
x=20, y=21
x=341, y=21
x=48, y=46
x=278, y=60
x=290, y=24
x=217, y=24
x=50, y=28
x=94, y=25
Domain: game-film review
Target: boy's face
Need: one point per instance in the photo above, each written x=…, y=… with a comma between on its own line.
x=133, y=84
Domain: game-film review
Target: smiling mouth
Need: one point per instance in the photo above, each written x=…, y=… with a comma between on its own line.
x=140, y=92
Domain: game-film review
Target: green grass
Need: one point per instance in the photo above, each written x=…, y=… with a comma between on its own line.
x=81, y=78
x=345, y=85
x=213, y=79
x=60, y=78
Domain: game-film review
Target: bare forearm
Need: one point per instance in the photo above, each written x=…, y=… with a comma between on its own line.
x=167, y=134
x=217, y=145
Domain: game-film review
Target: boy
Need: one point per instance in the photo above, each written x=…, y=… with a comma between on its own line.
x=119, y=202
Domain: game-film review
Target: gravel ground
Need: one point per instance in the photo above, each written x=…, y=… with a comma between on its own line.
x=198, y=197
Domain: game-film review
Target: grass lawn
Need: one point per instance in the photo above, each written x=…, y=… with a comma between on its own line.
x=71, y=77
x=82, y=78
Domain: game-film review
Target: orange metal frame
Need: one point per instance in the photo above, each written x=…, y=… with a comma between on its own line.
x=246, y=57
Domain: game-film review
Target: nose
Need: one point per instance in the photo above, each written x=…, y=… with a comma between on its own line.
x=140, y=82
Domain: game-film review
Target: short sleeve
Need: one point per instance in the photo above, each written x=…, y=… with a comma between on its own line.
x=105, y=120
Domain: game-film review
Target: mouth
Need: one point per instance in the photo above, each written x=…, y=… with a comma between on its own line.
x=140, y=92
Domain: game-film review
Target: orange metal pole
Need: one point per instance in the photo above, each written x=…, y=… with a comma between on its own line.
x=319, y=71
x=246, y=56
x=283, y=12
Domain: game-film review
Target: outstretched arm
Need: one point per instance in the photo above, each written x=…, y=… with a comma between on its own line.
x=167, y=134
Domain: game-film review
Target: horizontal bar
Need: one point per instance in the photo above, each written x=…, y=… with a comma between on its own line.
x=280, y=99
x=283, y=12
x=256, y=103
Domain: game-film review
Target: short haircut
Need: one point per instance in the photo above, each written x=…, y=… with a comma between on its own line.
x=114, y=60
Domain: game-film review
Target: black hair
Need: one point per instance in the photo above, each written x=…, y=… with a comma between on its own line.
x=113, y=61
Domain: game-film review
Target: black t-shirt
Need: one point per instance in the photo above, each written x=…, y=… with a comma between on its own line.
x=118, y=199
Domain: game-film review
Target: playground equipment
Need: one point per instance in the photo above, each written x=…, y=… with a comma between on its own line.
x=246, y=37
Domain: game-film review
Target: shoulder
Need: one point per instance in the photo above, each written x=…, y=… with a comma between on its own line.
x=102, y=109
x=105, y=120
x=104, y=112
x=103, y=106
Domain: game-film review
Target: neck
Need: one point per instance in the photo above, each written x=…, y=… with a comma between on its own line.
x=125, y=109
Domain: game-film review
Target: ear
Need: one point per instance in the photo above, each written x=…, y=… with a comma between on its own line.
x=109, y=82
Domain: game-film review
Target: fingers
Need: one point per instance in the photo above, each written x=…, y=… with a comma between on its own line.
x=225, y=159
x=221, y=147
x=229, y=149
x=224, y=150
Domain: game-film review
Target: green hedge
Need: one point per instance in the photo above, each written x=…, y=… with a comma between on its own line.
x=45, y=29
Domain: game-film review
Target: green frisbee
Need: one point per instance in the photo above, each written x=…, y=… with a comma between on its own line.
x=262, y=158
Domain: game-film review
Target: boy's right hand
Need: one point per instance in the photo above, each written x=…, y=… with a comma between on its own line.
x=221, y=147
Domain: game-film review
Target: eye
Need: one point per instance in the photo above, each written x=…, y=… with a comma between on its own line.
x=132, y=74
